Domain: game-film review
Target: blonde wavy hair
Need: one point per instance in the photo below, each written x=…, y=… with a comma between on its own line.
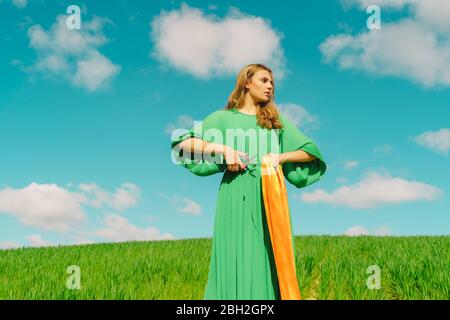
x=267, y=113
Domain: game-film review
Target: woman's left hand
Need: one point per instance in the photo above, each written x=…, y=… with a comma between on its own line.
x=277, y=159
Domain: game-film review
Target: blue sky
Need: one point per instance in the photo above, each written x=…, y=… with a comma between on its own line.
x=86, y=115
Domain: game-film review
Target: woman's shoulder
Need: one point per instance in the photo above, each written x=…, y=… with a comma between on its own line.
x=219, y=114
x=286, y=122
x=215, y=118
x=282, y=118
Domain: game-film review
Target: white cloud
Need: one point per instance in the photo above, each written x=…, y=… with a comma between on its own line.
x=298, y=115
x=433, y=13
x=416, y=48
x=25, y=23
x=183, y=122
x=383, y=149
x=190, y=207
x=84, y=241
x=359, y=230
x=183, y=204
x=119, y=229
x=45, y=206
x=374, y=190
x=438, y=141
x=205, y=45
x=73, y=54
x=126, y=196
x=94, y=71
x=356, y=231
x=350, y=164
x=20, y=3
x=383, y=231
x=8, y=245
x=50, y=207
x=36, y=240
x=341, y=180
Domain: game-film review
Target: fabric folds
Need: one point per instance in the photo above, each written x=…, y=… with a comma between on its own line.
x=278, y=221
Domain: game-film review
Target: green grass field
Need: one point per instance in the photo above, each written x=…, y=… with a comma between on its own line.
x=329, y=267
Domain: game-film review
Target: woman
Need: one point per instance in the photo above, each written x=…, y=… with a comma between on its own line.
x=234, y=140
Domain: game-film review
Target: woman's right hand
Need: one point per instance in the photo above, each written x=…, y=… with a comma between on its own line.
x=233, y=160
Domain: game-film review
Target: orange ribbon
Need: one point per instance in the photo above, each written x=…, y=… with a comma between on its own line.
x=278, y=220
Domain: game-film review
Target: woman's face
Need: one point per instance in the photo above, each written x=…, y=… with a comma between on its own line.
x=261, y=86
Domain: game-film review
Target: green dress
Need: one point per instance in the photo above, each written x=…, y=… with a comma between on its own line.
x=242, y=265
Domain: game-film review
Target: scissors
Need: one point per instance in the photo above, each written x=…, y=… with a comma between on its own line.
x=250, y=160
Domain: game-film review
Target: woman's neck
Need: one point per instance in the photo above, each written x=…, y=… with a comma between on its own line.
x=246, y=110
x=249, y=106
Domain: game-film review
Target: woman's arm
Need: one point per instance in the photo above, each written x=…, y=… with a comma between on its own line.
x=196, y=145
x=296, y=156
x=232, y=157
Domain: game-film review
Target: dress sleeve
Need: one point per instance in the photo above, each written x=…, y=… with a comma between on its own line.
x=300, y=174
x=196, y=163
